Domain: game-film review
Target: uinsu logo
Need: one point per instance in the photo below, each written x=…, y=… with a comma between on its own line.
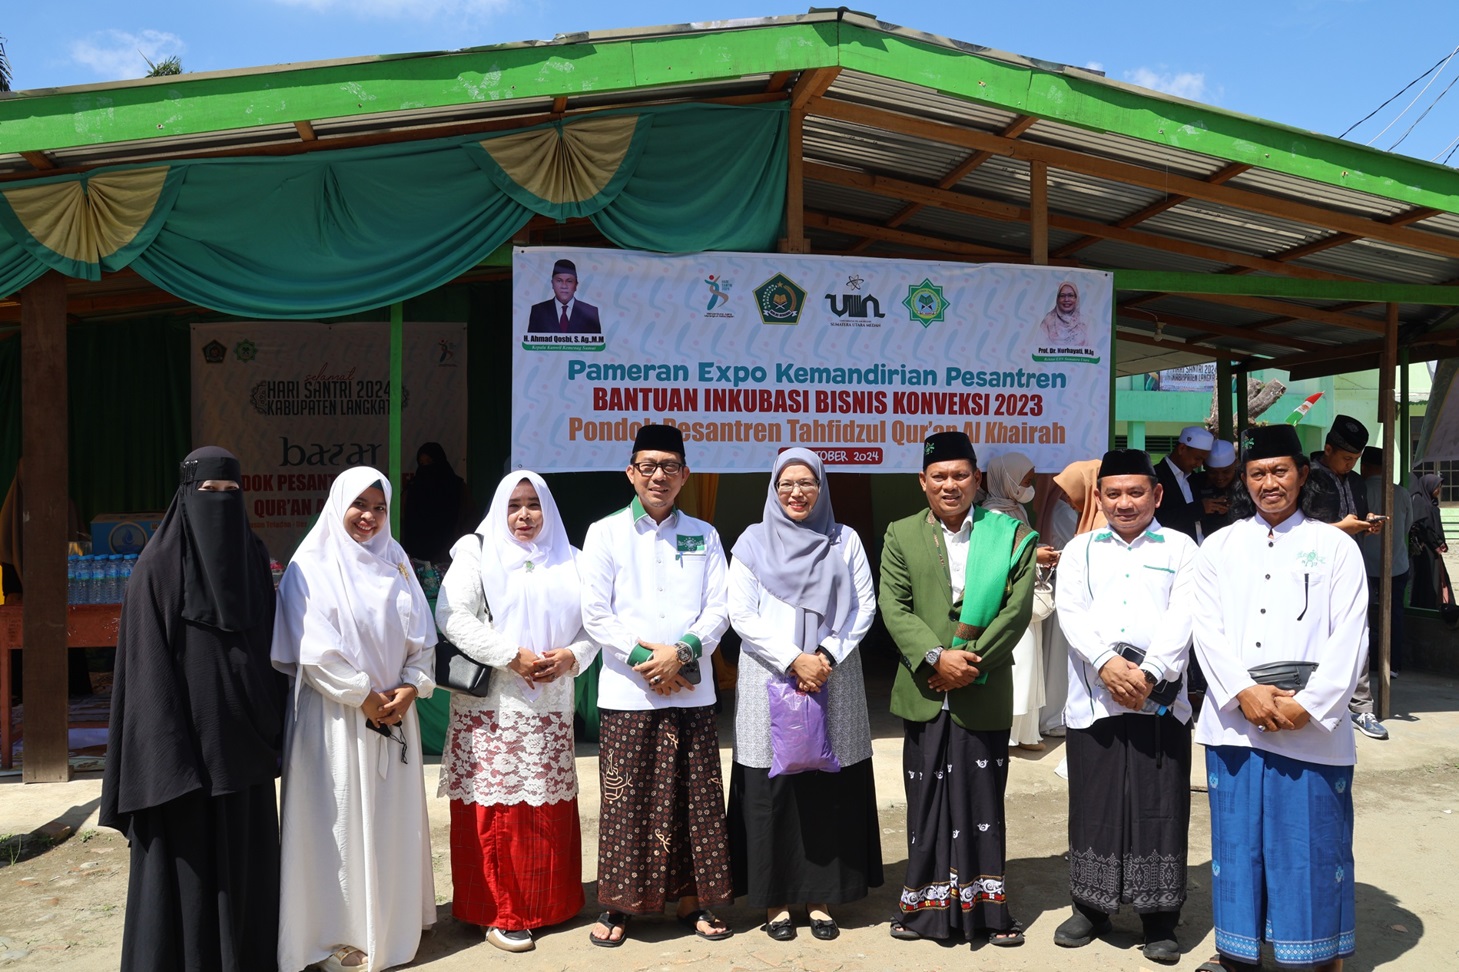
x=854, y=305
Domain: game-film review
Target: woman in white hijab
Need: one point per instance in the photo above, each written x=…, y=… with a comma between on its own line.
x=354, y=631
x=511, y=600
x=1009, y=482
x=801, y=598
x=1063, y=327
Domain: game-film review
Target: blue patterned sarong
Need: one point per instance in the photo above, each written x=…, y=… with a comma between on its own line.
x=1281, y=856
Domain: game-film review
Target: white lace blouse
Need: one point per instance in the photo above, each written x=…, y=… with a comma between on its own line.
x=514, y=744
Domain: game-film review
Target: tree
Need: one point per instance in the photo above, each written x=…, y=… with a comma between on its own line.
x=5, y=75
x=163, y=68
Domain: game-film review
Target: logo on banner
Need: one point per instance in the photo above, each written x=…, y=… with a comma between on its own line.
x=780, y=300
x=925, y=303
x=214, y=352
x=446, y=358
x=718, y=294
x=245, y=350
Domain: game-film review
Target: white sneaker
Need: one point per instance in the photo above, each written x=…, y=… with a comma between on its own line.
x=519, y=940
x=1367, y=723
x=1054, y=732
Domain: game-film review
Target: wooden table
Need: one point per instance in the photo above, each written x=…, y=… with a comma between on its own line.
x=87, y=626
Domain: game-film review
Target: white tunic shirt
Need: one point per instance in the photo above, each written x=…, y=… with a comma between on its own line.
x=1138, y=593
x=1294, y=592
x=659, y=582
x=767, y=625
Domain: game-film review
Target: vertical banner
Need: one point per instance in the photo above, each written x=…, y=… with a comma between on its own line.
x=752, y=353
x=299, y=402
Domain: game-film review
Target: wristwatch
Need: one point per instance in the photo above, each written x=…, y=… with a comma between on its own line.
x=684, y=651
x=1149, y=679
x=932, y=656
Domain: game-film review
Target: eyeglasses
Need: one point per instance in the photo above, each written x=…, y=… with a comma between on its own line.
x=670, y=468
x=804, y=485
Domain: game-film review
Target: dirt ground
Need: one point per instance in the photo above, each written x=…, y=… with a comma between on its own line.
x=62, y=896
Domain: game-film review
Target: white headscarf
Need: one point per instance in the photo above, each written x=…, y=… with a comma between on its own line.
x=1004, y=483
x=359, y=602
x=532, y=589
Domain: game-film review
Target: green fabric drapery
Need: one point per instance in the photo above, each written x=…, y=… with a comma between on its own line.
x=337, y=233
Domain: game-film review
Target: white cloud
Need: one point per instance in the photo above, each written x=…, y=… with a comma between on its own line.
x=116, y=54
x=1095, y=66
x=1182, y=84
x=400, y=9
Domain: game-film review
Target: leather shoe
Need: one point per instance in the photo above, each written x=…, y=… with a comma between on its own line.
x=1164, y=950
x=782, y=930
x=1078, y=931
x=825, y=929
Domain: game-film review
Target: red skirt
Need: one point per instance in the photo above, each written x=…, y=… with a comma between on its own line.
x=516, y=867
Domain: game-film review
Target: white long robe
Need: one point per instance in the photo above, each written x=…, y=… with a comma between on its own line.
x=356, y=839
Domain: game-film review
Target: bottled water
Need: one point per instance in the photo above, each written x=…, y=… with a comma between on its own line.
x=128, y=563
x=73, y=587
x=83, y=579
x=115, y=581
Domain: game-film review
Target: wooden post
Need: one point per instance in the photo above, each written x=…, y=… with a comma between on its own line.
x=795, y=241
x=1382, y=696
x=1223, y=399
x=1038, y=219
x=44, y=448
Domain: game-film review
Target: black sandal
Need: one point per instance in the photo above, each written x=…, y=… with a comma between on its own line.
x=692, y=919
x=904, y=934
x=610, y=920
x=1007, y=938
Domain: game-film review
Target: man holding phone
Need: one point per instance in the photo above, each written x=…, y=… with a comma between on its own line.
x=655, y=598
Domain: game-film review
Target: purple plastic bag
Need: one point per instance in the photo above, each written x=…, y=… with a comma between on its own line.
x=798, y=739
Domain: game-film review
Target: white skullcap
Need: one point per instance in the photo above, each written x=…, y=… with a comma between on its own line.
x=1197, y=437
x=1223, y=454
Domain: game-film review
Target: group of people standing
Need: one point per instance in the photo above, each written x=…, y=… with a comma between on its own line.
x=323, y=684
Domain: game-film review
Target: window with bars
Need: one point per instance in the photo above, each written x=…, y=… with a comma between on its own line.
x=1158, y=446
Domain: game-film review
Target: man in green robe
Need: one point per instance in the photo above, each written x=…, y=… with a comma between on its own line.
x=956, y=595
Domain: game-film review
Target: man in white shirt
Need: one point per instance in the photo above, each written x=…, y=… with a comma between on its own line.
x=1180, y=508
x=655, y=600
x=1280, y=627
x=1124, y=607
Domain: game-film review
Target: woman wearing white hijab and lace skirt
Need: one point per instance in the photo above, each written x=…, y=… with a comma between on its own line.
x=1009, y=483
x=511, y=600
x=354, y=631
x=801, y=598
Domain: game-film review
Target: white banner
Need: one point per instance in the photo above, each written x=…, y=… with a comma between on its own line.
x=751, y=353
x=1191, y=378
x=299, y=402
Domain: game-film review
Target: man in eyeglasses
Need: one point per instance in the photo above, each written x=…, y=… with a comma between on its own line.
x=1281, y=629
x=655, y=600
x=956, y=595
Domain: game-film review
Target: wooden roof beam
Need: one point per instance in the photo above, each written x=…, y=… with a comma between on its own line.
x=1224, y=174
x=1290, y=311
x=1177, y=344
x=1138, y=175
x=1205, y=329
x=306, y=131
x=1407, y=218
x=921, y=196
x=38, y=160
x=810, y=86
x=850, y=227
x=958, y=173
x=779, y=80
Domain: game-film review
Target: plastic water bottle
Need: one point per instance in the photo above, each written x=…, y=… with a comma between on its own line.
x=83, y=579
x=128, y=563
x=115, y=581
x=73, y=589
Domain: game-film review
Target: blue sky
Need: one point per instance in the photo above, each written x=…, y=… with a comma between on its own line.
x=1315, y=64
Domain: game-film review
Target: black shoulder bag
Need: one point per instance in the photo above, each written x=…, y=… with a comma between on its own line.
x=457, y=672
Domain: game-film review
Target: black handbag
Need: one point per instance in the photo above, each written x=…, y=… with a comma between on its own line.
x=457, y=672
x=1164, y=693
x=1289, y=675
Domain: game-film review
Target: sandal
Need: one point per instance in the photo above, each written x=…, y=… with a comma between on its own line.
x=1218, y=963
x=904, y=934
x=610, y=920
x=334, y=961
x=692, y=919
x=1008, y=938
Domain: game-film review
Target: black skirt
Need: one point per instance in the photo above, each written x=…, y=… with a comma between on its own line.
x=807, y=838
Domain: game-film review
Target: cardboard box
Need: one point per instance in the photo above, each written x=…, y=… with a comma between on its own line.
x=123, y=533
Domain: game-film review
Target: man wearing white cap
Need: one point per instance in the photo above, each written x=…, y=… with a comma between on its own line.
x=1181, y=509
x=1212, y=486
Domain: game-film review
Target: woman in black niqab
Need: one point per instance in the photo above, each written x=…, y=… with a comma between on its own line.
x=196, y=735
